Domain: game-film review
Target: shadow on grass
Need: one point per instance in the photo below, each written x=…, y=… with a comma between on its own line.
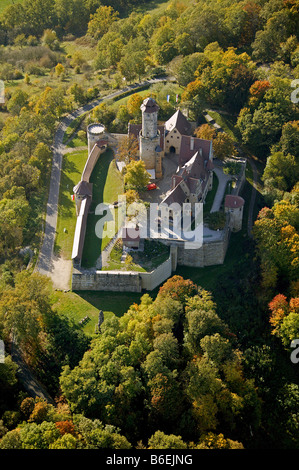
x=116, y=302
x=92, y=244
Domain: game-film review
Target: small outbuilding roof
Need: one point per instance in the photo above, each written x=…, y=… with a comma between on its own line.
x=83, y=188
x=233, y=202
x=130, y=234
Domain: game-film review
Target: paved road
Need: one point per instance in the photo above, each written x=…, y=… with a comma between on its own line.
x=45, y=262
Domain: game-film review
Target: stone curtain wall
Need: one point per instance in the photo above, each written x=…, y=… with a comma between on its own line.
x=153, y=279
x=121, y=281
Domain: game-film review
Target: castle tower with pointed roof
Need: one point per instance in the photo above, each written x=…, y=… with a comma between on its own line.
x=149, y=138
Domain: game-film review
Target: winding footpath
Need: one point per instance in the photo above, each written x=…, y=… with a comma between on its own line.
x=47, y=261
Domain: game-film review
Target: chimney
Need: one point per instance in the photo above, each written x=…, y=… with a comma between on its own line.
x=192, y=143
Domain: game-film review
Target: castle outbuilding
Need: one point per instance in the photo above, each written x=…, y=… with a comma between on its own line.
x=233, y=205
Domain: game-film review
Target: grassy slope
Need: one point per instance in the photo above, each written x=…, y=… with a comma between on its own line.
x=73, y=165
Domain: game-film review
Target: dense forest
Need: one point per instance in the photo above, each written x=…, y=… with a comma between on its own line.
x=184, y=368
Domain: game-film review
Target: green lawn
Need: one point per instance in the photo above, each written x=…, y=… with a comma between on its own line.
x=6, y=3
x=72, y=167
x=107, y=186
x=77, y=306
x=153, y=255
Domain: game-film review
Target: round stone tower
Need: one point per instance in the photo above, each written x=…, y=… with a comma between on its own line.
x=234, y=206
x=95, y=132
x=149, y=137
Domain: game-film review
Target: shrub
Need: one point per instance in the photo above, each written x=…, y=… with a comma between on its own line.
x=216, y=220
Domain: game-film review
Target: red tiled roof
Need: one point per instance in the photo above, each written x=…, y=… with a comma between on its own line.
x=130, y=234
x=233, y=202
x=177, y=195
x=191, y=145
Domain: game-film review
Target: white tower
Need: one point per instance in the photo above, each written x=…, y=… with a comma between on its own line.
x=95, y=132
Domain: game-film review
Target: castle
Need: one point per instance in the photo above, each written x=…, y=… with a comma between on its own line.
x=189, y=183
x=194, y=177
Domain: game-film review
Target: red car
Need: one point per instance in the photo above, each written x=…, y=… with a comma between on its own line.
x=151, y=186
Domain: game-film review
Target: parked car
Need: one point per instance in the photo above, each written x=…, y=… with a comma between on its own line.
x=151, y=186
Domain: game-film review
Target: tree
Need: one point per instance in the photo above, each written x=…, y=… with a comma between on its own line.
x=276, y=234
x=8, y=384
x=289, y=141
x=13, y=216
x=159, y=440
x=73, y=15
x=178, y=289
x=50, y=39
x=101, y=21
x=284, y=318
x=136, y=176
x=77, y=93
x=280, y=174
x=17, y=101
x=43, y=156
x=59, y=70
x=200, y=324
x=103, y=114
x=217, y=441
x=223, y=146
x=134, y=103
x=24, y=310
x=128, y=149
x=257, y=91
x=132, y=65
x=205, y=131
